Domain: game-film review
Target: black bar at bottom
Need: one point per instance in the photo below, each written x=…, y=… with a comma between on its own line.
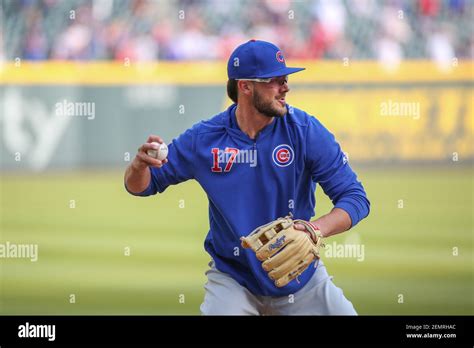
x=136, y=330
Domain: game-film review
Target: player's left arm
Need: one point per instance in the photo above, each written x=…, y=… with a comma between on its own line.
x=337, y=221
x=330, y=168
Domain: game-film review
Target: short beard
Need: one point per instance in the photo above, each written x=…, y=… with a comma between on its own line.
x=266, y=108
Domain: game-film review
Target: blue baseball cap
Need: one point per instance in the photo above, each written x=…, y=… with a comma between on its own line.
x=257, y=59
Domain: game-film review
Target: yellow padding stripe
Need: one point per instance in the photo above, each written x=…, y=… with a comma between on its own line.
x=214, y=73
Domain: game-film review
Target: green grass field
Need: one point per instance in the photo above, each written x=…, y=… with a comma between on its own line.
x=408, y=251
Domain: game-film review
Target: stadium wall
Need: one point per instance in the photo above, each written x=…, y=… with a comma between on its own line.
x=74, y=115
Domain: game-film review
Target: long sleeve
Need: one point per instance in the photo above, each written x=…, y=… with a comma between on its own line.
x=329, y=167
x=179, y=167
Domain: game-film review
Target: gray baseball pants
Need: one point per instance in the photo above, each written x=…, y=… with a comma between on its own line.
x=225, y=296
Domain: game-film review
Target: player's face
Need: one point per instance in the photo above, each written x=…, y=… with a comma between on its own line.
x=269, y=98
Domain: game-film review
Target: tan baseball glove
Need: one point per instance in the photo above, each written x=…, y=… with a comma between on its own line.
x=285, y=251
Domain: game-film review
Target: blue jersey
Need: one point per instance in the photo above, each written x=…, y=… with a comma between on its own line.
x=250, y=182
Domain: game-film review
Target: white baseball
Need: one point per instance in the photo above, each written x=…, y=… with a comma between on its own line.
x=159, y=154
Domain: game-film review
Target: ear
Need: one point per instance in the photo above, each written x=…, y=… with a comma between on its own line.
x=245, y=87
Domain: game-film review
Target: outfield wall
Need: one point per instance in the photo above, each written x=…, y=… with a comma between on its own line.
x=74, y=115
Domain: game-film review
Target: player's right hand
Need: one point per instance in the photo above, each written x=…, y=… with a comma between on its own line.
x=142, y=160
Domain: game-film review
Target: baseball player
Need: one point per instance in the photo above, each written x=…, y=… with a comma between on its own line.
x=258, y=161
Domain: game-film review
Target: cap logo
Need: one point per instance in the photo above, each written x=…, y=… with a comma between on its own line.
x=279, y=57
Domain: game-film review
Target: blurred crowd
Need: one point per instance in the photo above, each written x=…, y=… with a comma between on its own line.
x=144, y=30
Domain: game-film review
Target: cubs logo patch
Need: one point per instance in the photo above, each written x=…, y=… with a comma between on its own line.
x=279, y=57
x=283, y=155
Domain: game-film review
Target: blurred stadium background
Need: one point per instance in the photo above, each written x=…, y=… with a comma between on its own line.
x=392, y=79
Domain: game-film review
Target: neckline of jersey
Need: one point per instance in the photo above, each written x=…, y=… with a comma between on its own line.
x=234, y=126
